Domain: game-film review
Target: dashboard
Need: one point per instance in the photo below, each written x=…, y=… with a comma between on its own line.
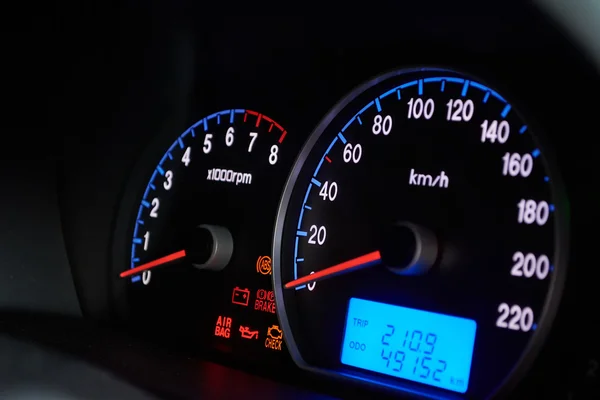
x=399, y=204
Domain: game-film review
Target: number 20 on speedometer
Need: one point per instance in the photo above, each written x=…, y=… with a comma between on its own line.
x=421, y=239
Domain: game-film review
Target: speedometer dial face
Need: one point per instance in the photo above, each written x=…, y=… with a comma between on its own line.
x=193, y=255
x=421, y=238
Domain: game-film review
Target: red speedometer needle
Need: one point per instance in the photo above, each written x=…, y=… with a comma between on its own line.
x=159, y=261
x=347, y=266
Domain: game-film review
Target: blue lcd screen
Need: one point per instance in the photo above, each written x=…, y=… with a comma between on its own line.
x=421, y=346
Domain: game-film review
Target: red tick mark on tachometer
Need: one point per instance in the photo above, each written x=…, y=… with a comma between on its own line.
x=282, y=136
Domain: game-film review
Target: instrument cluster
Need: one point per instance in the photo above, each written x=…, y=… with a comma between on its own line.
x=368, y=203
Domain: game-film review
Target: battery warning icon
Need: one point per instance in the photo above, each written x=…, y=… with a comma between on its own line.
x=240, y=296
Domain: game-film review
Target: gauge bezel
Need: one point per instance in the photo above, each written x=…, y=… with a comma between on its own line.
x=561, y=253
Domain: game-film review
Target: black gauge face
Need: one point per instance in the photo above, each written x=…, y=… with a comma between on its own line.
x=421, y=238
x=196, y=258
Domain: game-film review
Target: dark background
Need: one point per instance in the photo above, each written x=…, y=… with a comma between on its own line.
x=88, y=89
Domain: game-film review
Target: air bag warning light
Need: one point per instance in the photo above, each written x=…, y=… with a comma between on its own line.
x=223, y=327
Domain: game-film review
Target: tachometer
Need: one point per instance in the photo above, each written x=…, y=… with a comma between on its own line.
x=193, y=249
x=421, y=238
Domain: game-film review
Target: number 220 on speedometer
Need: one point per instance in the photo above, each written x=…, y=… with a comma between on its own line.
x=421, y=237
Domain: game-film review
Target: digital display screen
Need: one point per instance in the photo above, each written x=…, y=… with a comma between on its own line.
x=421, y=346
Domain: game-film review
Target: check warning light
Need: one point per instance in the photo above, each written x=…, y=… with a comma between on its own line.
x=274, y=338
x=274, y=332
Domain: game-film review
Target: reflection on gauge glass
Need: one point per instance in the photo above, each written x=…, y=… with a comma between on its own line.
x=421, y=239
x=194, y=259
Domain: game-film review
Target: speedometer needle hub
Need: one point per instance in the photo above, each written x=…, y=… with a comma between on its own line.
x=363, y=261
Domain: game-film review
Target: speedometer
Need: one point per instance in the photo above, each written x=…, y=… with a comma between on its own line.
x=421, y=239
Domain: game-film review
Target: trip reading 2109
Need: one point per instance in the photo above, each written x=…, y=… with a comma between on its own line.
x=429, y=348
x=420, y=354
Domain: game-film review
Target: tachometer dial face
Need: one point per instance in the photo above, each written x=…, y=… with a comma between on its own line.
x=421, y=239
x=194, y=257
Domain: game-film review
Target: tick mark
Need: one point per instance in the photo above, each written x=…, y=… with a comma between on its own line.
x=282, y=137
x=328, y=159
x=465, y=88
x=377, y=104
x=486, y=97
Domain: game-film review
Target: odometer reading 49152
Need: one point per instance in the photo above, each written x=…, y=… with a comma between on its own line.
x=424, y=207
x=416, y=345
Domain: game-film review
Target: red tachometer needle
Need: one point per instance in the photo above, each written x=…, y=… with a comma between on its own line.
x=152, y=264
x=346, y=266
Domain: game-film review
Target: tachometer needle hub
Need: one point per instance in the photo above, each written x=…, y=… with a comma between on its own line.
x=153, y=264
x=354, y=264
